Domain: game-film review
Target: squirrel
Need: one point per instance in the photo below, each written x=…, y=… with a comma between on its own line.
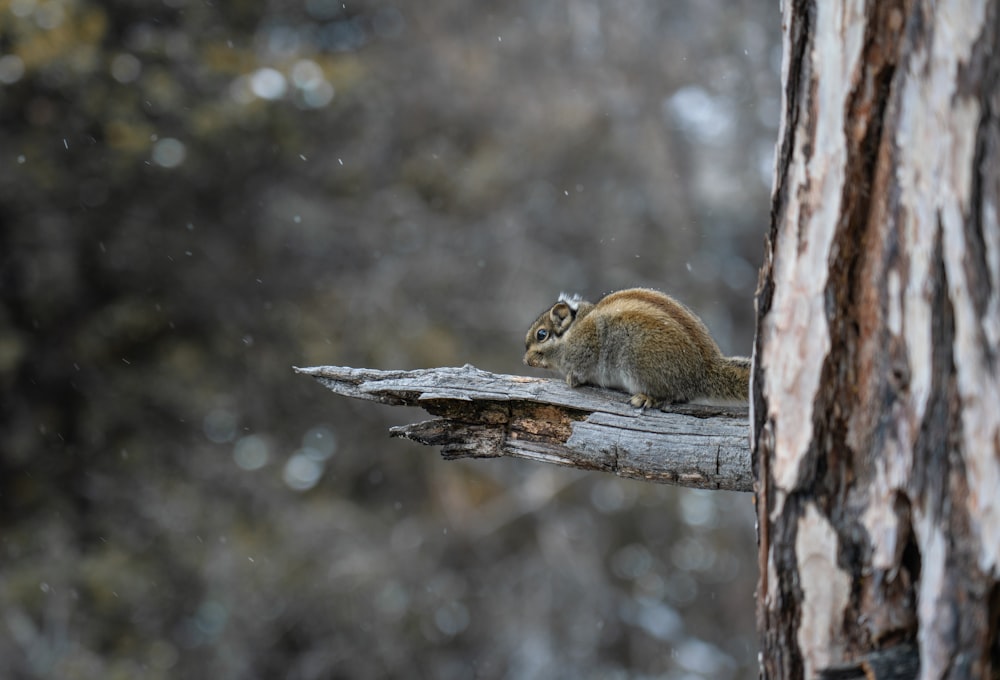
x=639, y=340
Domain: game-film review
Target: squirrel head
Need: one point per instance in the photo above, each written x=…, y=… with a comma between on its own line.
x=544, y=338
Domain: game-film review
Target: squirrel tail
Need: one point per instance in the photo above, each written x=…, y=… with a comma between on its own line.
x=730, y=381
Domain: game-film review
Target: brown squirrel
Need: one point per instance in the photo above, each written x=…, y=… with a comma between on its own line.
x=639, y=340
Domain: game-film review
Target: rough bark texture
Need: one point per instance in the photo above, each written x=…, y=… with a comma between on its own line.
x=485, y=415
x=876, y=405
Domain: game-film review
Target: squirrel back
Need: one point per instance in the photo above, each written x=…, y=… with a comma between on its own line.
x=639, y=340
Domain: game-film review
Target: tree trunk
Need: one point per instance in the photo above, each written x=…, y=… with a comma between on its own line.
x=876, y=400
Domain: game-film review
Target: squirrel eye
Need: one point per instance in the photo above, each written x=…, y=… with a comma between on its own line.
x=541, y=334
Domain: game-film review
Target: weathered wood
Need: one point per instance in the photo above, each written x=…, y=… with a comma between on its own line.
x=486, y=415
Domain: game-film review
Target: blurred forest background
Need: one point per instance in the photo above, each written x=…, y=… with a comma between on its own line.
x=196, y=196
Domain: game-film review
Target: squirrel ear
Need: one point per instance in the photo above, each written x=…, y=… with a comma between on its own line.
x=562, y=316
x=572, y=300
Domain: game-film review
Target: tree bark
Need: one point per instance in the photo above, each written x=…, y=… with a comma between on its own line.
x=876, y=396
x=485, y=415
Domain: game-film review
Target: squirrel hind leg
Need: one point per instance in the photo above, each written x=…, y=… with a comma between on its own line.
x=643, y=401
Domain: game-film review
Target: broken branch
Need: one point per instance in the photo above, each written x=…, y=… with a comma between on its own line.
x=488, y=415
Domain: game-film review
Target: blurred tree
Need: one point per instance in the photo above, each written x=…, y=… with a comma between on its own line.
x=195, y=197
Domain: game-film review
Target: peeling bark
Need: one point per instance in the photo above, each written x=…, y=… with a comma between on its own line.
x=876, y=392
